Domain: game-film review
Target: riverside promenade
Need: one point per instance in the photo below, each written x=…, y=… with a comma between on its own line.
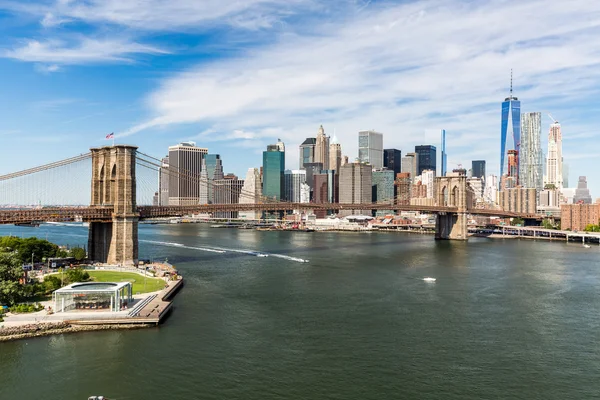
x=147, y=311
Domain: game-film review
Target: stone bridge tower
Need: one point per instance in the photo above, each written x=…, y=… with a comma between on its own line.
x=452, y=191
x=114, y=185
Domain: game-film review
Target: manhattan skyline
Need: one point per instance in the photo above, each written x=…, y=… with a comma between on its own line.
x=234, y=77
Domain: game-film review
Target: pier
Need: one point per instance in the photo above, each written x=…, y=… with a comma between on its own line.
x=150, y=311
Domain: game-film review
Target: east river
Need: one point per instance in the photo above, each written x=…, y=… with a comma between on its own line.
x=506, y=319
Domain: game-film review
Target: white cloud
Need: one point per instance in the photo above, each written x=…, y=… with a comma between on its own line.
x=405, y=70
x=163, y=15
x=84, y=51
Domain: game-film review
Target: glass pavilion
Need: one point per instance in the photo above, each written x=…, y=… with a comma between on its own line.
x=93, y=296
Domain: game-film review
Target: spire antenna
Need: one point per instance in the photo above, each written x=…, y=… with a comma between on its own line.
x=511, y=82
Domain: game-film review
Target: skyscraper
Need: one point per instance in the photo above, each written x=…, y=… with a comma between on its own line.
x=322, y=148
x=307, y=152
x=427, y=158
x=163, y=182
x=293, y=180
x=212, y=169
x=370, y=148
x=382, y=182
x=478, y=169
x=490, y=193
x=251, y=193
x=582, y=194
x=531, y=168
x=510, y=127
x=355, y=185
x=335, y=155
x=392, y=159
x=185, y=166
x=554, y=161
x=227, y=191
x=410, y=164
x=428, y=178
x=273, y=168
x=444, y=158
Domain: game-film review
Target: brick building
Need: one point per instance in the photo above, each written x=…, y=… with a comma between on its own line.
x=576, y=217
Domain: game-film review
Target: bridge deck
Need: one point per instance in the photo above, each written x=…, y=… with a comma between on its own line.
x=105, y=213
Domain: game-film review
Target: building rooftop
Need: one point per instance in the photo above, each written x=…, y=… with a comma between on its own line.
x=93, y=287
x=310, y=140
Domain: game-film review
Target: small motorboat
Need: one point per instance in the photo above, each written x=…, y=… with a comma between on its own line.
x=262, y=255
x=586, y=246
x=428, y=279
x=97, y=398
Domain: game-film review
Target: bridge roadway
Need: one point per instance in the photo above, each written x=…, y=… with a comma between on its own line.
x=105, y=213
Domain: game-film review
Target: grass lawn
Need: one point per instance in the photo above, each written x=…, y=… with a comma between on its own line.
x=152, y=284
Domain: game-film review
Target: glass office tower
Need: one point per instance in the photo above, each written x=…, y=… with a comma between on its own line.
x=510, y=130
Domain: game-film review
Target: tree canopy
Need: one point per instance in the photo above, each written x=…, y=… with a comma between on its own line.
x=25, y=247
x=10, y=273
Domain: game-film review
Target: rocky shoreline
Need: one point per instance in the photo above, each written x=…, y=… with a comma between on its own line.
x=57, y=328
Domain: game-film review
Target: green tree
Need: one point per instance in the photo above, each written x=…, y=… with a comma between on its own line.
x=52, y=283
x=77, y=275
x=10, y=267
x=10, y=273
x=592, y=228
x=24, y=248
x=518, y=222
x=78, y=253
x=10, y=292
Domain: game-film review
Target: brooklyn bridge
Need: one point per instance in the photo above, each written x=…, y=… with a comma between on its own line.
x=113, y=212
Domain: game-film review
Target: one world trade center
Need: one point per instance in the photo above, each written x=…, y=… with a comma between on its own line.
x=510, y=135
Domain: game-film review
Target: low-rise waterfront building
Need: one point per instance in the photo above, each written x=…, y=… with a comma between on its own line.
x=93, y=296
x=576, y=217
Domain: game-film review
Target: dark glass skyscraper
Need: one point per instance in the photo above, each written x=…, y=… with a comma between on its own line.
x=478, y=168
x=307, y=152
x=511, y=126
x=392, y=159
x=273, y=169
x=427, y=158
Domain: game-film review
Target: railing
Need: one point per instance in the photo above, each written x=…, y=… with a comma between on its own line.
x=104, y=214
x=139, y=306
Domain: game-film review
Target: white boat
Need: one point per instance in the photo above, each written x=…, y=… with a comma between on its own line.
x=262, y=255
x=586, y=246
x=428, y=279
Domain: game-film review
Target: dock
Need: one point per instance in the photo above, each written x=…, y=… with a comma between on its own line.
x=150, y=311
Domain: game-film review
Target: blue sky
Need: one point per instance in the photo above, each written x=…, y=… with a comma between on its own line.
x=236, y=75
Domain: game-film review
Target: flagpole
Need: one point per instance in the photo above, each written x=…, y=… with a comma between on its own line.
x=113, y=138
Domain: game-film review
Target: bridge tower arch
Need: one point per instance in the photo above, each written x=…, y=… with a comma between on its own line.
x=114, y=185
x=452, y=192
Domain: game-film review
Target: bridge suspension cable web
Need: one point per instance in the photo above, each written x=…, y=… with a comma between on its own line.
x=65, y=182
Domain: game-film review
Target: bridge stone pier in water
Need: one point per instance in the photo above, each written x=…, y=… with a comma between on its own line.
x=114, y=185
x=452, y=192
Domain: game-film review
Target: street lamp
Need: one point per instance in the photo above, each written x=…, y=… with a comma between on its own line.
x=32, y=261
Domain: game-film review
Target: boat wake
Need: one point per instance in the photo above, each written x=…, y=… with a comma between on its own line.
x=221, y=250
x=290, y=258
x=171, y=244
